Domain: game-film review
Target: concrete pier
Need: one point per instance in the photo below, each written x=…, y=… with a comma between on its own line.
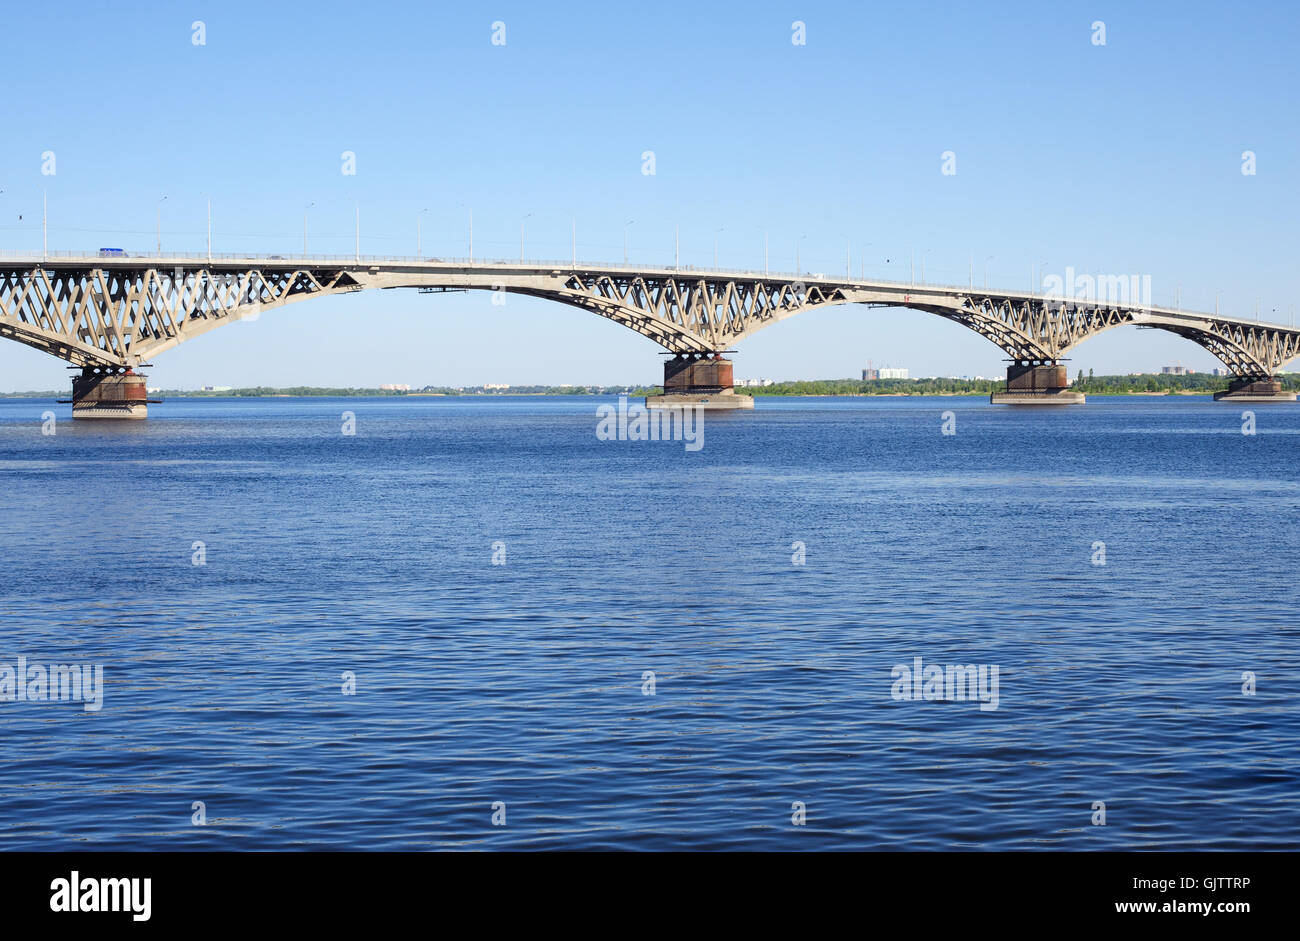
x=1254, y=389
x=99, y=393
x=1037, y=384
x=699, y=379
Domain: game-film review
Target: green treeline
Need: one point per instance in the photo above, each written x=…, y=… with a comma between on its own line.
x=1201, y=383
x=1197, y=383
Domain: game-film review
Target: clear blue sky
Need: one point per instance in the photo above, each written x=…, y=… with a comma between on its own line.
x=1122, y=159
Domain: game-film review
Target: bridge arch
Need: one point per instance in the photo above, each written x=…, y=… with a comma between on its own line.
x=123, y=311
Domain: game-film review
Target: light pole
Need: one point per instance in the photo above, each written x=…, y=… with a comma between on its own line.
x=798, y=266
x=209, y=196
x=715, y=247
x=304, y=228
x=1042, y=272
x=625, y=227
x=159, y=230
x=419, y=250
x=521, y=237
x=471, y=231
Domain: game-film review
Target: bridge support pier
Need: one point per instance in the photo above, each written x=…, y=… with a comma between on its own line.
x=1037, y=383
x=699, y=379
x=109, y=393
x=1254, y=389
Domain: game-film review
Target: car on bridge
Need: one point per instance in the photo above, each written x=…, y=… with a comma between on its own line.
x=111, y=253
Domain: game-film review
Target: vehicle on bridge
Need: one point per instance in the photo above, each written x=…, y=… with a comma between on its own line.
x=111, y=253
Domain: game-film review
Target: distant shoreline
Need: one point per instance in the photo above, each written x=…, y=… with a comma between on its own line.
x=1141, y=385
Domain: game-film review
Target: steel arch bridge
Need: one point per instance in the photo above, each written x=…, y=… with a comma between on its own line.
x=116, y=313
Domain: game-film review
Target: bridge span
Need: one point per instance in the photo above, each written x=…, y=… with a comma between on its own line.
x=112, y=314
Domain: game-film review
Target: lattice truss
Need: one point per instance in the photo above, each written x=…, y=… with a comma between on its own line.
x=688, y=315
x=1033, y=329
x=122, y=316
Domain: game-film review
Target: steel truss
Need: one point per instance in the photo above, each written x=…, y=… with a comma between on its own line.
x=115, y=314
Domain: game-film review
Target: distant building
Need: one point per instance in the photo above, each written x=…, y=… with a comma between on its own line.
x=395, y=387
x=753, y=383
x=497, y=385
x=216, y=388
x=870, y=374
x=887, y=373
x=1218, y=371
x=1176, y=371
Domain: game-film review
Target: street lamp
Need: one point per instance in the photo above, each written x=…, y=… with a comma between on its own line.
x=798, y=266
x=304, y=228
x=465, y=206
x=160, y=202
x=625, y=226
x=419, y=253
x=209, y=196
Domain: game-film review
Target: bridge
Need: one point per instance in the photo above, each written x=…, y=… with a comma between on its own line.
x=111, y=315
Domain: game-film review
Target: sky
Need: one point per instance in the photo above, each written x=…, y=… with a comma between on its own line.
x=1120, y=159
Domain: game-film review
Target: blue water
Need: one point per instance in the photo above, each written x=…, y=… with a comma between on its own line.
x=523, y=682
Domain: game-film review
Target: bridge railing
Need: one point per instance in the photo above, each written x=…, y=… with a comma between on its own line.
x=475, y=262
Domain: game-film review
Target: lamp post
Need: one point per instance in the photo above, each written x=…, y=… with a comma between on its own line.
x=798, y=265
x=209, y=196
x=466, y=207
x=159, y=229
